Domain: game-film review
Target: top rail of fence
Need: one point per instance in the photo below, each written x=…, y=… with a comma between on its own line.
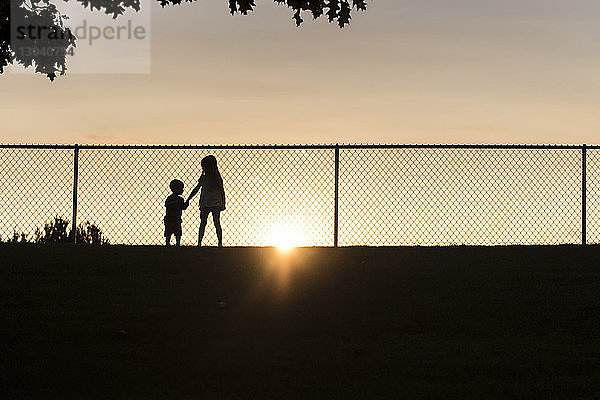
x=301, y=146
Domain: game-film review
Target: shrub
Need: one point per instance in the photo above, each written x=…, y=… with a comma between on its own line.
x=57, y=231
x=90, y=234
x=17, y=237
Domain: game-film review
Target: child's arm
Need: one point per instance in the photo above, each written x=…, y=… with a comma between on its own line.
x=223, y=196
x=194, y=192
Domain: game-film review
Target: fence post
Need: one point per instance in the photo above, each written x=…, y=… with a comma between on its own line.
x=336, y=198
x=584, y=195
x=75, y=181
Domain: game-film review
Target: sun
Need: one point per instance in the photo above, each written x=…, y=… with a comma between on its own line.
x=286, y=237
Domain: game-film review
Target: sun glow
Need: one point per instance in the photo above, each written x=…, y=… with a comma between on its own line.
x=286, y=237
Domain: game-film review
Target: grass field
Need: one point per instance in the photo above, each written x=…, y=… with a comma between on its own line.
x=350, y=323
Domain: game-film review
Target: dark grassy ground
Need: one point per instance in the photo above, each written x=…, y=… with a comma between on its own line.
x=156, y=323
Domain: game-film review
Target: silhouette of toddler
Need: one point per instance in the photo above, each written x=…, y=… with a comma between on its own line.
x=174, y=205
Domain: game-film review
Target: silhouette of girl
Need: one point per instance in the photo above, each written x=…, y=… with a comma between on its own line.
x=212, y=197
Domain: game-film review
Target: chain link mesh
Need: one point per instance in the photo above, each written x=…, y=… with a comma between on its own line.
x=459, y=196
x=286, y=195
x=36, y=186
x=270, y=194
x=593, y=195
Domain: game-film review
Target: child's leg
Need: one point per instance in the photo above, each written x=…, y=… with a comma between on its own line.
x=203, y=219
x=168, y=239
x=178, y=240
x=217, y=221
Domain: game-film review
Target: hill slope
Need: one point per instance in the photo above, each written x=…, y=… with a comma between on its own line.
x=153, y=323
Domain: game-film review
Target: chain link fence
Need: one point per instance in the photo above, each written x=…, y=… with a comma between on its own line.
x=314, y=195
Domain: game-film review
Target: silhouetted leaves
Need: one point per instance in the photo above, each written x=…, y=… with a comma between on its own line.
x=337, y=10
x=245, y=5
x=43, y=49
x=114, y=7
x=44, y=13
x=298, y=18
x=89, y=233
x=57, y=231
x=360, y=4
x=316, y=8
x=5, y=52
x=344, y=14
x=333, y=6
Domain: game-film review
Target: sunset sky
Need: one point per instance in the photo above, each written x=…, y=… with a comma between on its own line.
x=429, y=71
